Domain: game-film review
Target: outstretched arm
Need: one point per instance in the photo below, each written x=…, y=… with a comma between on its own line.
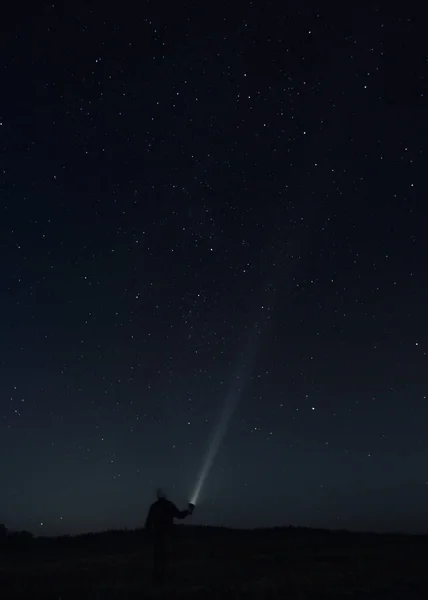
x=179, y=514
x=182, y=514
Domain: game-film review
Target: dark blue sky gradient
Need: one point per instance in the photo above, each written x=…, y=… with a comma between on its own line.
x=176, y=184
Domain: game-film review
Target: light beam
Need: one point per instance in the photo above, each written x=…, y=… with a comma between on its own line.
x=230, y=404
x=297, y=246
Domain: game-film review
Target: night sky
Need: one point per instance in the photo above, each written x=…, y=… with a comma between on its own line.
x=192, y=193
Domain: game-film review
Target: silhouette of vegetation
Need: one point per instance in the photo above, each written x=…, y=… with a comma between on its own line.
x=212, y=562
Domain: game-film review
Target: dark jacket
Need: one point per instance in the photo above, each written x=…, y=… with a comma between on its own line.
x=160, y=519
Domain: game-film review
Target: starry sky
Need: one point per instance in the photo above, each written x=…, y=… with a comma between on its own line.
x=191, y=194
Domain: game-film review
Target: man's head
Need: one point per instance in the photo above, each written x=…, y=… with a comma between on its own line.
x=160, y=494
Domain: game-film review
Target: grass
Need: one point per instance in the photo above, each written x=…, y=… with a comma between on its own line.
x=228, y=565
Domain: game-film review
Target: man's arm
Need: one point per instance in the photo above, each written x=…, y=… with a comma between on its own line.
x=149, y=520
x=179, y=514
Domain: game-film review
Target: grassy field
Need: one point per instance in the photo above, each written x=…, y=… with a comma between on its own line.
x=228, y=565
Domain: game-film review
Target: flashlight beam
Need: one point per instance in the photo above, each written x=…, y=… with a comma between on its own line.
x=230, y=404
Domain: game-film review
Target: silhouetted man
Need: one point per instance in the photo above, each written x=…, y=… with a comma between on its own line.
x=160, y=523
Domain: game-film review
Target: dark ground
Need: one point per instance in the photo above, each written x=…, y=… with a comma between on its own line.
x=287, y=563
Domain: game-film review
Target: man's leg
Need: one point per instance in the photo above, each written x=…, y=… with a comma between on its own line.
x=156, y=558
x=159, y=558
x=162, y=557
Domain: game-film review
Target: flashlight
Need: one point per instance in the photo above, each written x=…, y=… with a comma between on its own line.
x=191, y=507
